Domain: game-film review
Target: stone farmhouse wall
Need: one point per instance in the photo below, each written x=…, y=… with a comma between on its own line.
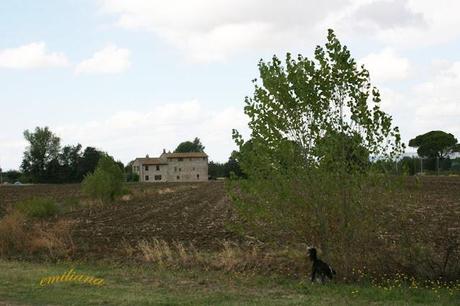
x=172, y=167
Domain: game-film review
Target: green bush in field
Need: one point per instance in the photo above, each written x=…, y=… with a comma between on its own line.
x=38, y=207
x=106, y=182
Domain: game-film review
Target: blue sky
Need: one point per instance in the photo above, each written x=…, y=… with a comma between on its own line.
x=134, y=77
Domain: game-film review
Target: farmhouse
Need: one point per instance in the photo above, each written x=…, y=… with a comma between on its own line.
x=172, y=167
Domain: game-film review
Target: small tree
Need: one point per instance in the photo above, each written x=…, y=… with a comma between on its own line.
x=106, y=182
x=190, y=146
x=314, y=125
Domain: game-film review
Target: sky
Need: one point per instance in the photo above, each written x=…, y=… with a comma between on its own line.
x=134, y=77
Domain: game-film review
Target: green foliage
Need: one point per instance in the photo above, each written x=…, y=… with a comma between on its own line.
x=315, y=123
x=88, y=162
x=41, y=153
x=190, y=146
x=228, y=169
x=435, y=144
x=232, y=168
x=106, y=182
x=38, y=207
x=11, y=176
x=45, y=162
x=130, y=175
x=216, y=169
x=69, y=159
x=69, y=204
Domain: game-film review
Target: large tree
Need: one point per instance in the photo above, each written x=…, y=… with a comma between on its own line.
x=314, y=125
x=69, y=159
x=190, y=146
x=88, y=162
x=435, y=144
x=41, y=154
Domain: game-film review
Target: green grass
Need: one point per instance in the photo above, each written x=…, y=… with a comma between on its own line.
x=38, y=207
x=130, y=285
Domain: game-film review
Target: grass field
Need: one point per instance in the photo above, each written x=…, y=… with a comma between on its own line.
x=144, y=285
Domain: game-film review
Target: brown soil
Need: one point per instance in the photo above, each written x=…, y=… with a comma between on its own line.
x=11, y=194
x=187, y=213
x=198, y=213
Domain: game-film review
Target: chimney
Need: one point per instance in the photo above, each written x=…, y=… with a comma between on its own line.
x=147, y=156
x=164, y=151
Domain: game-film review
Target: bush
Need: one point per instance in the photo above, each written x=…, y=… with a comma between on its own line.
x=132, y=177
x=37, y=207
x=69, y=204
x=21, y=239
x=12, y=233
x=106, y=182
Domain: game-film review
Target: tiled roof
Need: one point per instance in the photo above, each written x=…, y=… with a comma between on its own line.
x=151, y=161
x=185, y=155
x=163, y=158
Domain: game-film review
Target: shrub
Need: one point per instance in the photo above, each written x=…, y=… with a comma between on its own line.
x=106, y=182
x=21, y=238
x=69, y=204
x=37, y=207
x=12, y=233
x=132, y=177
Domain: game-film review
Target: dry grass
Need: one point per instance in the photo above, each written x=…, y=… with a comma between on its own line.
x=13, y=233
x=20, y=237
x=53, y=241
x=231, y=257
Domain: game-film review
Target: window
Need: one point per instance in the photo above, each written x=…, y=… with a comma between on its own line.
x=180, y=169
x=175, y=169
x=178, y=177
x=157, y=177
x=146, y=177
x=158, y=167
x=180, y=159
x=146, y=168
x=197, y=176
x=193, y=168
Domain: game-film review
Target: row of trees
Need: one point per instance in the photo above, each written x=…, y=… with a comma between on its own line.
x=45, y=161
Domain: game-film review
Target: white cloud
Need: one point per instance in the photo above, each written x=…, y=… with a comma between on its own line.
x=387, y=66
x=30, y=56
x=440, y=25
x=11, y=152
x=207, y=30
x=438, y=100
x=130, y=134
x=385, y=14
x=110, y=60
x=430, y=105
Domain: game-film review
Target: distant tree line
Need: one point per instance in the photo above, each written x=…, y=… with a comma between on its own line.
x=231, y=167
x=45, y=161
